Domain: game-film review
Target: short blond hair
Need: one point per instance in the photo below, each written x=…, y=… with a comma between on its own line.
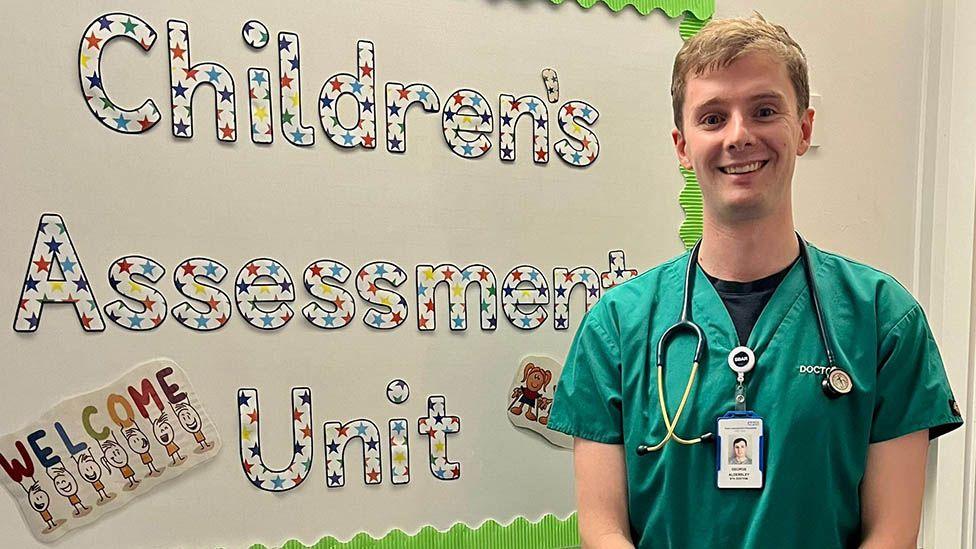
x=722, y=41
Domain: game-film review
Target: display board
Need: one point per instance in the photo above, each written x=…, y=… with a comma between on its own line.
x=318, y=263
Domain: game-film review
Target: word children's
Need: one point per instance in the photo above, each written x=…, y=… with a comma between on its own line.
x=467, y=118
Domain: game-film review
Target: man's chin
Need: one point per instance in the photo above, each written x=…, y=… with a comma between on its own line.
x=740, y=208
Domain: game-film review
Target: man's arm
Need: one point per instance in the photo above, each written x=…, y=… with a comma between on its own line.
x=601, y=494
x=891, y=494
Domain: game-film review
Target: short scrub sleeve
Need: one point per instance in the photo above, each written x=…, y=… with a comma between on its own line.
x=587, y=403
x=913, y=391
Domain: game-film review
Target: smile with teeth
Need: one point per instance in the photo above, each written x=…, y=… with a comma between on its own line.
x=744, y=168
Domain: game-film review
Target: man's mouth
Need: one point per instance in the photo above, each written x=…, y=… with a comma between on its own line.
x=736, y=169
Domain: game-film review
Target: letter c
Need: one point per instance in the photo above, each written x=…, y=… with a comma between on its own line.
x=86, y=415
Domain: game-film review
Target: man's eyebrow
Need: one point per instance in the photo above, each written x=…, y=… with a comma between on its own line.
x=718, y=101
x=774, y=95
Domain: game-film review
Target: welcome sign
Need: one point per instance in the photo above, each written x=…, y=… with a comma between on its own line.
x=349, y=226
x=103, y=437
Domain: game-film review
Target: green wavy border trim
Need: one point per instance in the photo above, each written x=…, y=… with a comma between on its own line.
x=691, y=202
x=549, y=533
x=690, y=26
x=690, y=197
x=702, y=9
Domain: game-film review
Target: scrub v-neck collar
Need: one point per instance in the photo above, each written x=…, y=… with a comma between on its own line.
x=710, y=312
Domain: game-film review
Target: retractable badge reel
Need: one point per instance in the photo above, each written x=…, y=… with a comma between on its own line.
x=739, y=433
x=741, y=360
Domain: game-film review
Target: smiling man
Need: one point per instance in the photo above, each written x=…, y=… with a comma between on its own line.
x=828, y=364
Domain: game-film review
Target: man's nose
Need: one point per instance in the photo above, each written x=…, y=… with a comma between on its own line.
x=739, y=134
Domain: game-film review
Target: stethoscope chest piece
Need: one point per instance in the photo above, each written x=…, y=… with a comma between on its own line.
x=837, y=383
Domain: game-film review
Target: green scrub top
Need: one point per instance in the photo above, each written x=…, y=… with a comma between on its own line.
x=816, y=447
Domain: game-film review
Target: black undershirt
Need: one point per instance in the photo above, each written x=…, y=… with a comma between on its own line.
x=745, y=300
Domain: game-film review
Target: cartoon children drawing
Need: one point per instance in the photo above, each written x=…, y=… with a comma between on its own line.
x=535, y=381
x=40, y=502
x=139, y=443
x=190, y=421
x=89, y=470
x=163, y=432
x=114, y=455
x=67, y=486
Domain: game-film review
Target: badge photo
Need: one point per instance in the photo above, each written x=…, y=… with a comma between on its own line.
x=739, y=459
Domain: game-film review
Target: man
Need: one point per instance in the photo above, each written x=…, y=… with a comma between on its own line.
x=839, y=472
x=739, y=455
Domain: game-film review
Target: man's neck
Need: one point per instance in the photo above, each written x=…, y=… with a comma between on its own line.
x=747, y=251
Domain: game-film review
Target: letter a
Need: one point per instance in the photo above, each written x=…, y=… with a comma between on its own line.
x=54, y=252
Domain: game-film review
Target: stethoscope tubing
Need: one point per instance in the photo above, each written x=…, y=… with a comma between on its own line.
x=686, y=324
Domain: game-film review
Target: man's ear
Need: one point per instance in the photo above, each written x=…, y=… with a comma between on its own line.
x=806, y=132
x=679, y=148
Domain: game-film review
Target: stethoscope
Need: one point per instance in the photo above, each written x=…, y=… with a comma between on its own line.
x=835, y=383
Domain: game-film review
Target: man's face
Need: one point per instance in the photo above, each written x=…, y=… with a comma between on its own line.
x=742, y=136
x=740, y=450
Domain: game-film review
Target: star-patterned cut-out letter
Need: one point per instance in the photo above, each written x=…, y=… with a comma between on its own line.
x=398, y=101
x=213, y=305
x=264, y=289
x=184, y=79
x=467, y=122
x=152, y=308
x=257, y=472
x=564, y=282
x=337, y=436
x=436, y=425
x=511, y=111
x=341, y=304
x=370, y=292
x=55, y=275
x=525, y=293
x=588, y=148
x=363, y=132
x=94, y=39
x=429, y=277
x=290, y=83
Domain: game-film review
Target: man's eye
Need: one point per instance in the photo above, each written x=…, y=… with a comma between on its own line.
x=766, y=112
x=711, y=120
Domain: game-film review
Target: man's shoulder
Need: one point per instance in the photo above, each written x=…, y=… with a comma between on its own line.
x=861, y=284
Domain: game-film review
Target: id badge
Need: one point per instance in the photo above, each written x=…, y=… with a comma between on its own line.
x=739, y=446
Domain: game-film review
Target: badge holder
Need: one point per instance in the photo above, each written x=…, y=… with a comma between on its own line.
x=740, y=450
x=739, y=433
